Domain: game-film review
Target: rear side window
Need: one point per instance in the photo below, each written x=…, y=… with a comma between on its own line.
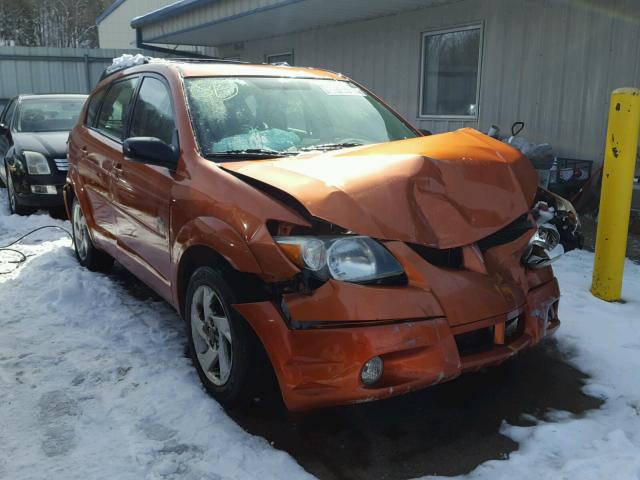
x=116, y=108
x=94, y=106
x=153, y=115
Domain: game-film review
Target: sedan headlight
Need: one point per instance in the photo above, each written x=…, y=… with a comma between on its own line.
x=354, y=259
x=37, y=163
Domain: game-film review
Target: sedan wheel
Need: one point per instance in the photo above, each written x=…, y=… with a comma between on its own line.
x=211, y=335
x=12, y=198
x=14, y=206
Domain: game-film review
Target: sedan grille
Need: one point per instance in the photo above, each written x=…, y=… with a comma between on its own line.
x=62, y=164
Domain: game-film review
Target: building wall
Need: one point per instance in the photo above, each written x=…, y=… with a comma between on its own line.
x=114, y=31
x=549, y=63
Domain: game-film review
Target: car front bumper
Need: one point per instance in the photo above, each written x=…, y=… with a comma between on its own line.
x=443, y=322
x=319, y=367
x=22, y=186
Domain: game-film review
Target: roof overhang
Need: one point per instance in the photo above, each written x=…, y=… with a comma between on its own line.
x=220, y=22
x=108, y=11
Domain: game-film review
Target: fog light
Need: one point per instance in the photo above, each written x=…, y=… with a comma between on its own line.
x=372, y=371
x=46, y=189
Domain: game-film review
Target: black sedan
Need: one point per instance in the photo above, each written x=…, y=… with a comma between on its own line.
x=33, y=149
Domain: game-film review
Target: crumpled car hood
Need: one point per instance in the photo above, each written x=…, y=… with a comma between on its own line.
x=443, y=191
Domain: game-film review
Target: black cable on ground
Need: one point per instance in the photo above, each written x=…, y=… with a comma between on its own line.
x=21, y=256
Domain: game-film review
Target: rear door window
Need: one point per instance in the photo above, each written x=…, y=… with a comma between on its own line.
x=116, y=108
x=94, y=107
x=153, y=114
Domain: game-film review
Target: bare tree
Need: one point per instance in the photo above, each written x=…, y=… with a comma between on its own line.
x=50, y=23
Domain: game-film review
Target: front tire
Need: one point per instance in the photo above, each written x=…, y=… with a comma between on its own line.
x=14, y=206
x=86, y=253
x=222, y=346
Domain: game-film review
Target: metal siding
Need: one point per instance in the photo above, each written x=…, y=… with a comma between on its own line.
x=114, y=31
x=51, y=70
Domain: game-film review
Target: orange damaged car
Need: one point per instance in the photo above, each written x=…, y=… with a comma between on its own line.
x=299, y=224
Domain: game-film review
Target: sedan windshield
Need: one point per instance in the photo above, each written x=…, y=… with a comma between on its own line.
x=258, y=116
x=48, y=115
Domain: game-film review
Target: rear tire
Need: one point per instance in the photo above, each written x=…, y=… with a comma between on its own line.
x=223, y=348
x=86, y=253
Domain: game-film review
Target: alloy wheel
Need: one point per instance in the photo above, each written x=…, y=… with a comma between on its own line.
x=211, y=334
x=80, y=233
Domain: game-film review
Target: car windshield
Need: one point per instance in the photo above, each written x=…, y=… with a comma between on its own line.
x=48, y=115
x=284, y=116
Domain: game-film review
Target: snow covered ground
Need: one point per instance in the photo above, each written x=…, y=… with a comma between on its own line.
x=94, y=383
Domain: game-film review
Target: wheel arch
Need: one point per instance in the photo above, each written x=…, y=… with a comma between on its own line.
x=73, y=189
x=247, y=286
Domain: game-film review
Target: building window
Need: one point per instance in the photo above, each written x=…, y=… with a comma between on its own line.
x=282, y=57
x=451, y=72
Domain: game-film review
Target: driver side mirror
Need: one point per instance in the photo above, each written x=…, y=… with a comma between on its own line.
x=152, y=151
x=4, y=129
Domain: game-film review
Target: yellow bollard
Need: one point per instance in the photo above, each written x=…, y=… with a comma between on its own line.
x=615, y=196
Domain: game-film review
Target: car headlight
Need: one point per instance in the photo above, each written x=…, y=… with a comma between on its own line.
x=37, y=163
x=354, y=259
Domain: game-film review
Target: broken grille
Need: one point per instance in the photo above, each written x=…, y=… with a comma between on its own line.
x=448, y=257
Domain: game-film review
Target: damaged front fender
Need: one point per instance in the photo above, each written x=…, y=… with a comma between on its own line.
x=559, y=230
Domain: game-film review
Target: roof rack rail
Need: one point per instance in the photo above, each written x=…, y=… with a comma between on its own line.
x=203, y=60
x=127, y=61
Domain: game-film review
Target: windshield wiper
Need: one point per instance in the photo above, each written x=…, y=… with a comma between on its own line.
x=331, y=146
x=251, y=152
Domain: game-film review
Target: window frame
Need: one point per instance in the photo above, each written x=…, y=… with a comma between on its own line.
x=8, y=100
x=267, y=56
x=460, y=28
x=4, y=117
x=134, y=97
x=167, y=87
